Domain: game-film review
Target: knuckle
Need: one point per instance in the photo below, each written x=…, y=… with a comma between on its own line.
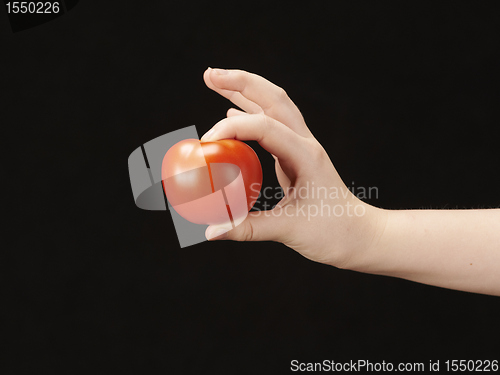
x=267, y=124
x=242, y=76
x=318, y=153
x=282, y=95
x=249, y=232
x=246, y=232
x=266, y=120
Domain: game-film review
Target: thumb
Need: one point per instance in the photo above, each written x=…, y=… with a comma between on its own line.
x=258, y=226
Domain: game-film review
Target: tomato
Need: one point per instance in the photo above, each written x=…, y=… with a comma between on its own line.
x=211, y=182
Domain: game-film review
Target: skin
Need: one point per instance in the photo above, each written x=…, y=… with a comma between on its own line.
x=456, y=249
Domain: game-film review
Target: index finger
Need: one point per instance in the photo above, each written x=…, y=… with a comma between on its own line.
x=273, y=100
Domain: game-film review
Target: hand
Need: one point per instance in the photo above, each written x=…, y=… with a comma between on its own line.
x=319, y=216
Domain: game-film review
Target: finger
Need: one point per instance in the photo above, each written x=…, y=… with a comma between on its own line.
x=233, y=96
x=271, y=98
x=258, y=226
x=272, y=135
x=235, y=112
x=283, y=179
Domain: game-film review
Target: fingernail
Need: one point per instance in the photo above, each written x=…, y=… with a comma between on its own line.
x=207, y=135
x=221, y=71
x=218, y=233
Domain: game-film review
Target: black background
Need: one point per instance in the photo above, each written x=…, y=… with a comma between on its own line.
x=403, y=97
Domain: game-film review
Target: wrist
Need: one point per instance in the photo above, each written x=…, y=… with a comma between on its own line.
x=371, y=228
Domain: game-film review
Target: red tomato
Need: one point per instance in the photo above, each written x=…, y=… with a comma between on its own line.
x=211, y=182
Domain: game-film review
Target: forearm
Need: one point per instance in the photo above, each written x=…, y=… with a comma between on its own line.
x=456, y=249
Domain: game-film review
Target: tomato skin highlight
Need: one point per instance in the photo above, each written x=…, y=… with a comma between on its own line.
x=194, y=172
